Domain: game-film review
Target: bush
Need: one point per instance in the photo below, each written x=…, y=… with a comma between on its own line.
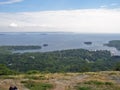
x=83, y=88
x=94, y=82
x=6, y=71
x=33, y=72
x=108, y=83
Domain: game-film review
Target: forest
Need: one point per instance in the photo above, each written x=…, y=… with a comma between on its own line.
x=73, y=60
x=114, y=43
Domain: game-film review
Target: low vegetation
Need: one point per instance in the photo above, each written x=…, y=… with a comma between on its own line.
x=37, y=85
x=99, y=81
x=63, y=81
x=97, y=85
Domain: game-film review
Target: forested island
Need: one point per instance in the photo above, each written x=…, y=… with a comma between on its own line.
x=114, y=43
x=45, y=45
x=25, y=47
x=88, y=43
x=74, y=60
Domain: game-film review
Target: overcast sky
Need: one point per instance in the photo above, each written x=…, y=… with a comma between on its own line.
x=84, y=16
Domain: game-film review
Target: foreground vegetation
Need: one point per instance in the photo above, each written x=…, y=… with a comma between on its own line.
x=32, y=85
x=100, y=81
x=107, y=80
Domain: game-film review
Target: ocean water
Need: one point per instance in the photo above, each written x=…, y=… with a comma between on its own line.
x=59, y=41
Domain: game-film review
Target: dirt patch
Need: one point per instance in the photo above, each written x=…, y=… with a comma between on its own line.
x=62, y=84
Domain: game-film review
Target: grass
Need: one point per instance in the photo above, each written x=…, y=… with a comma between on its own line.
x=2, y=89
x=83, y=88
x=96, y=85
x=37, y=85
x=35, y=77
x=99, y=81
x=95, y=82
x=108, y=80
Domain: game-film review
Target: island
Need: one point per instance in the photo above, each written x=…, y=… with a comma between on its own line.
x=22, y=47
x=45, y=45
x=88, y=43
x=114, y=43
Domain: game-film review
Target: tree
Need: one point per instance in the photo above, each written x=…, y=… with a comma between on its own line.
x=5, y=71
x=117, y=66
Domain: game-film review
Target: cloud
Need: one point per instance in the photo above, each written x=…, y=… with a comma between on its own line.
x=83, y=20
x=104, y=6
x=9, y=1
x=112, y=5
x=13, y=25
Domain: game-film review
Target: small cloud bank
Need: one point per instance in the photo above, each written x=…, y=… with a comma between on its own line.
x=82, y=21
x=9, y=2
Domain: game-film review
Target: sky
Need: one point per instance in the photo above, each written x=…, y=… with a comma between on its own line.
x=83, y=16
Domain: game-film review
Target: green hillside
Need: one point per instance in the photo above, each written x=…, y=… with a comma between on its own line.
x=75, y=60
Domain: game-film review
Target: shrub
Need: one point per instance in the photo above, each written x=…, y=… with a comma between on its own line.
x=33, y=72
x=94, y=82
x=83, y=88
x=34, y=77
x=108, y=83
